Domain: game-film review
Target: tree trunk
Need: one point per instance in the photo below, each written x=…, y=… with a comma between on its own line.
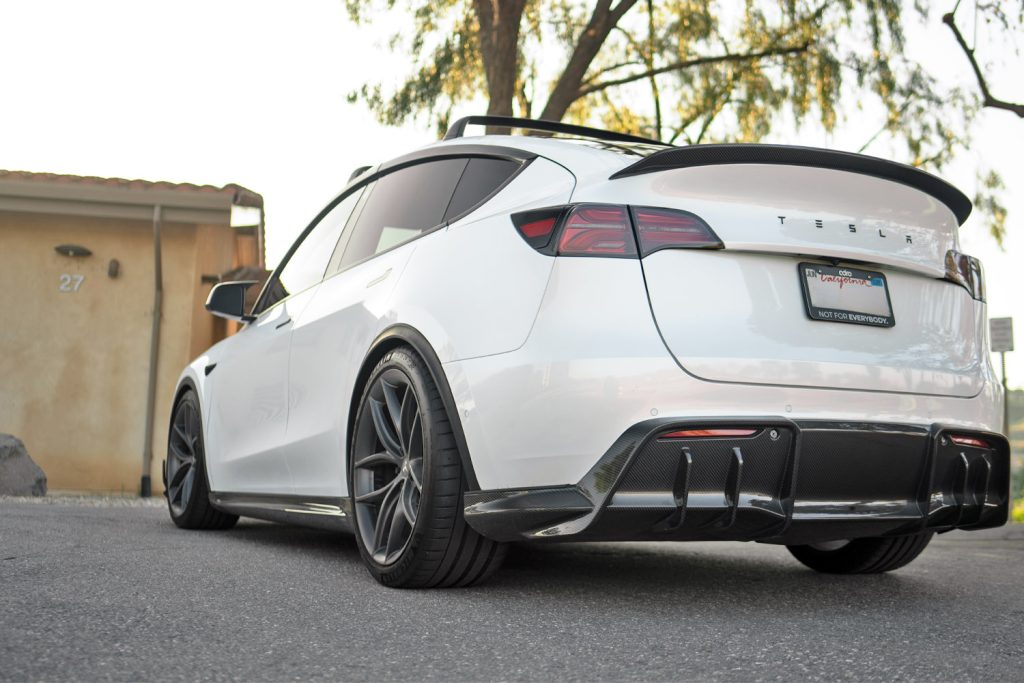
x=566, y=90
x=499, y=48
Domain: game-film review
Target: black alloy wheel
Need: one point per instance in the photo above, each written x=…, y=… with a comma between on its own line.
x=406, y=483
x=187, y=488
x=181, y=456
x=387, y=477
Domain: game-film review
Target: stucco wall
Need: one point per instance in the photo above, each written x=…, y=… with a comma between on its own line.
x=74, y=364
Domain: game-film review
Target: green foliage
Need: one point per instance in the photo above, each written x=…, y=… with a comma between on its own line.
x=446, y=32
x=698, y=71
x=987, y=201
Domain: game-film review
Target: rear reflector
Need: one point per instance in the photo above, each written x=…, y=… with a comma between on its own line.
x=962, y=440
x=705, y=433
x=671, y=229
x=597, y=230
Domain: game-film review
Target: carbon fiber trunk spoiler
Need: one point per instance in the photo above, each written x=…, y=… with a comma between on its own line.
x=790, y=155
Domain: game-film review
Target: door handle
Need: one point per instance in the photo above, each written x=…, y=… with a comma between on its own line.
x=280, y=325
x=380, y=278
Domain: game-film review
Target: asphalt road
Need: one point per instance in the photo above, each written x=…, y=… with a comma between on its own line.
x=119, y=593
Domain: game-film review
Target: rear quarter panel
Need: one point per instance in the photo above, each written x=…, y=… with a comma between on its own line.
x=474, y=289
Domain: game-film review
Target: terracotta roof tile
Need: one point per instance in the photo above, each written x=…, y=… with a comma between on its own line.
x=242, y=196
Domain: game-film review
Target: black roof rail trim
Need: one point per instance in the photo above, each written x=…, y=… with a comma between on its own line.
x=458, y=129
x=461, y=150
x=370, y=173
x=792, y=155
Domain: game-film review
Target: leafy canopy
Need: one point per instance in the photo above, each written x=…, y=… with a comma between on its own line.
x=686, y=72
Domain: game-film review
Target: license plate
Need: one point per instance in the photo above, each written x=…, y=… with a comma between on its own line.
x=846, y=295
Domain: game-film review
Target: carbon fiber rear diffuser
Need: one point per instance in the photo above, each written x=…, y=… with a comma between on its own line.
x=788, y=482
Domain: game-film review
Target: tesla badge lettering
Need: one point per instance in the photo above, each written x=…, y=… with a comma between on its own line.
x=819, y=224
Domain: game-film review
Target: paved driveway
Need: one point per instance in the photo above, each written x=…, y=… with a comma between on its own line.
x=118, y=593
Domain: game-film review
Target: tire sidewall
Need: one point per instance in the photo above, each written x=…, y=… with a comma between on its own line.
x=201, y=487
x=418, y=375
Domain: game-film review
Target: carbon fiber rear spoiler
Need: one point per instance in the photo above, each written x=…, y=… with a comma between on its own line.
x=790, y=155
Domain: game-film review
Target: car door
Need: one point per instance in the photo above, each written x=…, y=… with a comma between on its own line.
x=332, y=336
x=249, y=412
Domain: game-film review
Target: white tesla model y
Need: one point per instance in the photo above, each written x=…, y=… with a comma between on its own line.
x=581, y=335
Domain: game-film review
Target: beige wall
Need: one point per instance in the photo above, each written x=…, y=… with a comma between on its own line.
x=74, y=365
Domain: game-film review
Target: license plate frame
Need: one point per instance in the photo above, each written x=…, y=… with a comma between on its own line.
x=831, y=285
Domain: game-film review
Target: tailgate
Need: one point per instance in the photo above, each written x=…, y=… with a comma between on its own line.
x=740, y=315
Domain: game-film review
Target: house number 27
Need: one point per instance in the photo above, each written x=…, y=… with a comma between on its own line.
x=70, y=283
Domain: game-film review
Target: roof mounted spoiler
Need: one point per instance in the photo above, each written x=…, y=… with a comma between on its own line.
x=458, y=129
x=715, y=155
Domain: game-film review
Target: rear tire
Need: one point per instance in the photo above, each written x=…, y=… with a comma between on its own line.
x=406, y=481
x=863, y=555
x=188, y=489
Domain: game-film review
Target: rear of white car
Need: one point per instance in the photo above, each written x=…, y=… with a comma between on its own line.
x=504, y=338
x=743, y=342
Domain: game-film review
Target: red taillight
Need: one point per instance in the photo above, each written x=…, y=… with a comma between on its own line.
x=705, y=433
x=541, y=228
x=961, y=440
x=667, y=228
x=537, y=226
x=597, y=230
x=612, y=230
x=966, y=271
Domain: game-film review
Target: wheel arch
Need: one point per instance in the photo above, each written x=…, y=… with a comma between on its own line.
x=185, y=384
x=405, y=335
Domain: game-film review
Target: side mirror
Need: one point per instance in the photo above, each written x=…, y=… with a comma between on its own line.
x=227, y=300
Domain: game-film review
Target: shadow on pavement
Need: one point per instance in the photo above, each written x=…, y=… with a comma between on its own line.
x=755, y=578
x=313, y=543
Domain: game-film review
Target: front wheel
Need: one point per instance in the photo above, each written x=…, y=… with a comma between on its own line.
x=187, y=488
x=406, y=482
x=862, y=555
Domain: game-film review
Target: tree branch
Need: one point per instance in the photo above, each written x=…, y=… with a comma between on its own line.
x=602, y=20
x=699, y=61
x=987, y=100
x=649, y=56
x=885, y=126
x=616, y=67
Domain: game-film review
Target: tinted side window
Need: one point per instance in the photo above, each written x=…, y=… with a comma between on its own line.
x=402, y=205
x=482, y=177
x=308, y=262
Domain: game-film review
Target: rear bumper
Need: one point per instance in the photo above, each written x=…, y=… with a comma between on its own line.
x=789, y=482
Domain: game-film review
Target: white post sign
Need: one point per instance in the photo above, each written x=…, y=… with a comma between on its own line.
x=1001, y=333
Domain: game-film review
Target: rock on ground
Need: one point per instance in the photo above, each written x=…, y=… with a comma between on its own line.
x=19, y=474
